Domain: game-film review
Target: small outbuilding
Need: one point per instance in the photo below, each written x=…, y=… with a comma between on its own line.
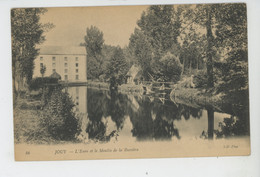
x=55, y=75
x=134, y=75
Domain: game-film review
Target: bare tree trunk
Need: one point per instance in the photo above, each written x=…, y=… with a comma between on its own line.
x=210, y=122
x=210, y=83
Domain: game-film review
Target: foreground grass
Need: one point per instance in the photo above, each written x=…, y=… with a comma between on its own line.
x=27, y=123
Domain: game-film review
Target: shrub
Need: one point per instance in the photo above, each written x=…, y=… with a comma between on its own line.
x=40, y=82
x=170, y=68
x=59, y=117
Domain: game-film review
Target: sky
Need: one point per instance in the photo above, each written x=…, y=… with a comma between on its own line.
x=116, y=22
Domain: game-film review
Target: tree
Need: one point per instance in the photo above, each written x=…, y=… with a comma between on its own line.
x=161, y=25
x=42, y=70
x=209, y=50
x=94, y=43
x=107, y=52
x=27, y=32
x=233, y=81
x=231, y=30
x=192, y=50
x=141, y=49
x=231, y=40
x=203, y=16
x=226, y=32
x=170, y=68
x=117, y=66
x=158, y=32
x=59, y=117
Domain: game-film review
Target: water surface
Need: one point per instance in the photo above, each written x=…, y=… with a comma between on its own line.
x=118, y=116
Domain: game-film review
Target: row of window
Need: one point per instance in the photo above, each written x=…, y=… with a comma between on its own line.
x=66, y=77
x=66, y=70
x=54, y=65
x=65, y=58
x=65, y=64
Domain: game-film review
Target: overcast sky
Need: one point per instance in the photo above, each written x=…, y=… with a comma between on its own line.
x=117, y=24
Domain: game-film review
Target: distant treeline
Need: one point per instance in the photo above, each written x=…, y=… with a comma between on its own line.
x=171, y=42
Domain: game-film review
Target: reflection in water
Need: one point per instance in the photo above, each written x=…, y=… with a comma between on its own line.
x=210, y=122
x=234, y=125
x=113, y=116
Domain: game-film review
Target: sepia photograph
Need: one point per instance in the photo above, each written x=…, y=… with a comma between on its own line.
x=123, y=82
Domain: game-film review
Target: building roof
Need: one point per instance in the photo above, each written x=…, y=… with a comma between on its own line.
x=133, y=71
x=62, y=50
x=55, y=75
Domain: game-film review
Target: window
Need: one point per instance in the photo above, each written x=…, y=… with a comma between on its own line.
x=53, y=70
x=53, y=64
x=41, y=64
x=77, y=64
x=41, y=58
x=66, y=64
x=77, y=58
x=66, y=58
x=77, y=77
x=77, y=70
x=53, y=58
x=66, y=77
x=66, y=70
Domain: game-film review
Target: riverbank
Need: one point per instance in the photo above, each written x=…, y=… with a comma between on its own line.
x=197, y=98
x=180, y=92
x=27, y=123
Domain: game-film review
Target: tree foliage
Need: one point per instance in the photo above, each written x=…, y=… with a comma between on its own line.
x=161, y=25
x=59, y=118
x=222, y=31
x=27, y=33
x=170, y=68
x=39, y=82
x=141, y=49
x=207, y=40
x=94, y=43
x=117, y=66
x=157, y=33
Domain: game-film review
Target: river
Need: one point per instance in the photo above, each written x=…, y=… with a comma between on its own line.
x=111, y=117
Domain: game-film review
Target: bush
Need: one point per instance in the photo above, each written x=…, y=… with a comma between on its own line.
x=40, y=82
x=59, y=117
x=170, y=68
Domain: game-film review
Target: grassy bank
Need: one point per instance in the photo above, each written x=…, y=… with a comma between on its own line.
x=36, y=122
x=197, y=98
x=27, y=123
x=202, y=98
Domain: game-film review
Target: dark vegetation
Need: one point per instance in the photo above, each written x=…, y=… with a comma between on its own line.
x=59, y=117
x=47, y=116
x=171, y=43
x=40, y=82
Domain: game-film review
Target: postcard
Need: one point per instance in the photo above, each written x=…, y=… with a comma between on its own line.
x=121, y=82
